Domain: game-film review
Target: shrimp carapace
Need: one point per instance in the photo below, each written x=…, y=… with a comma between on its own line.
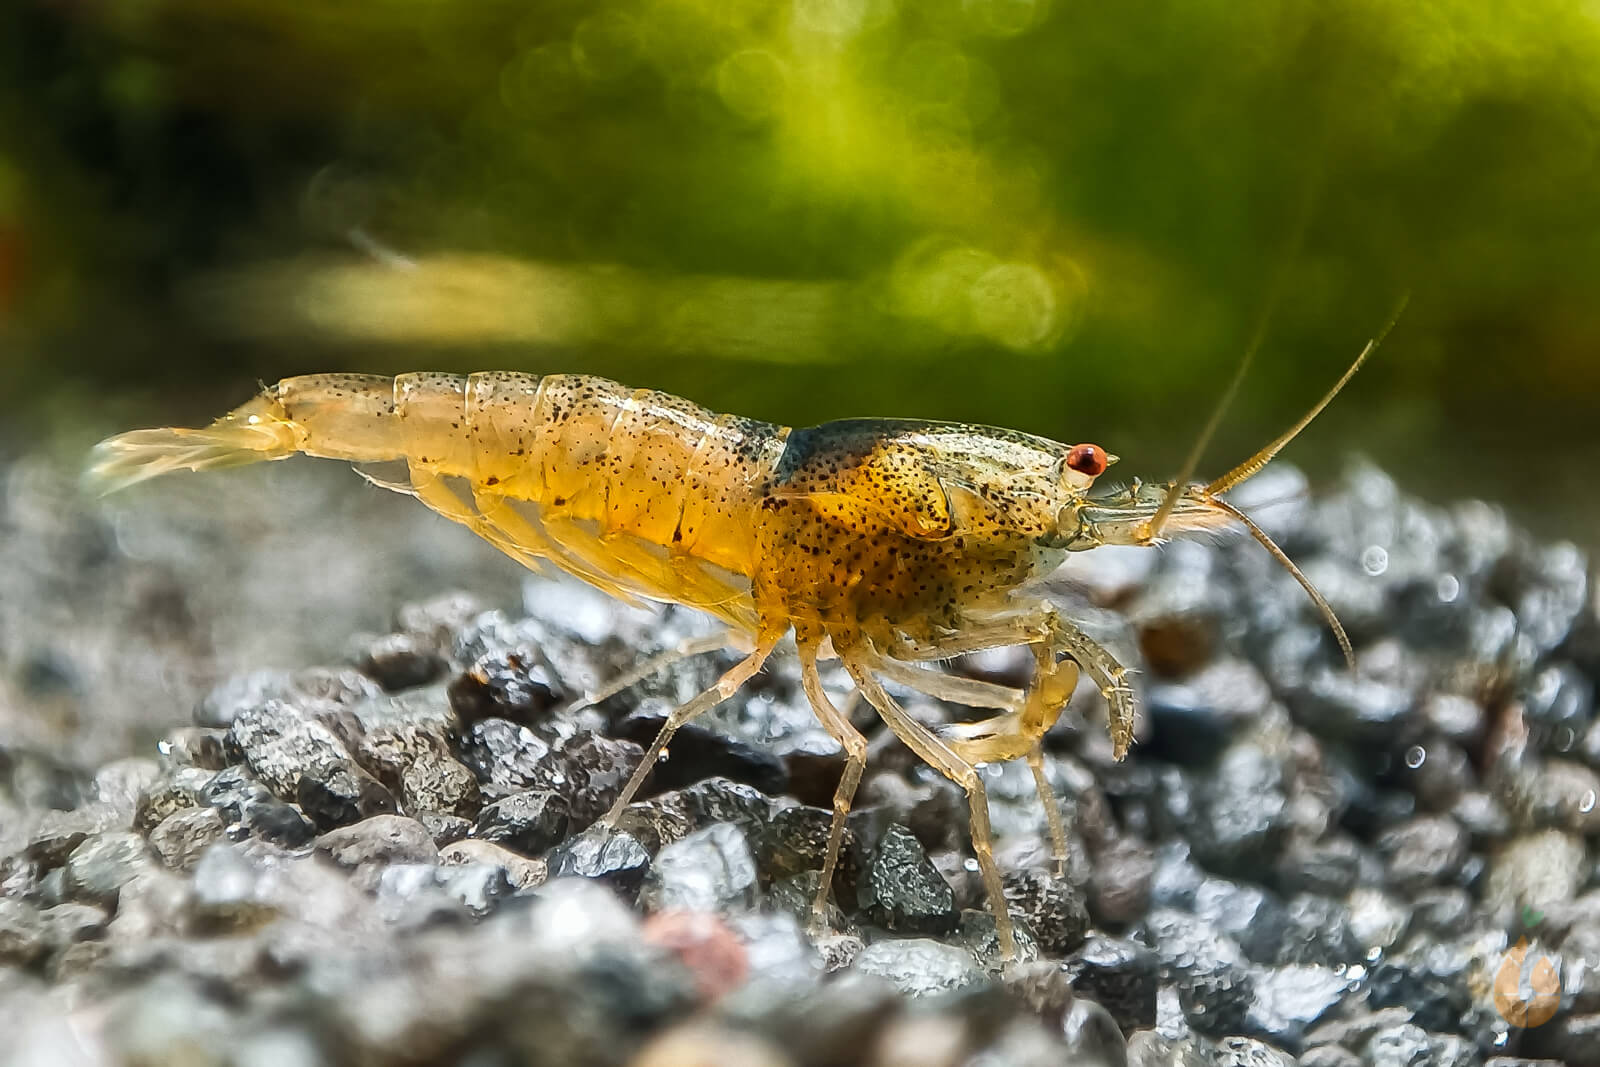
x=889, y=543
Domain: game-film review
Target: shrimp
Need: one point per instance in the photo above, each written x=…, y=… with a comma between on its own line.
x=886, y=543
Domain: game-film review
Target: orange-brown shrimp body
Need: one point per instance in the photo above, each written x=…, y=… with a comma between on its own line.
x=884, y=542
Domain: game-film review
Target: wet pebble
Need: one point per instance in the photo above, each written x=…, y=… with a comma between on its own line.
x=604, y=854
x=505, y=756
x=381, y=839
x=1055, y=909
x=401, y=660
x=900, y=890
x=710, y=870
x=437, y=782
x=530, y=822
x=1422, y=852
x=919, y=966
x=182, y=836
x=24, y=935
x=102, y=864
x=520, y=871
x=1121, y=975
x=341, y=794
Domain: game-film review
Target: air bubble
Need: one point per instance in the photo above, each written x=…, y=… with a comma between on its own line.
x=1449, y=588
x=1586, y=802
x=1375, y=560
x=1416, y=755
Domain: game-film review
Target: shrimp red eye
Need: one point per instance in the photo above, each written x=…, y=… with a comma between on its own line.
x=1088, y=459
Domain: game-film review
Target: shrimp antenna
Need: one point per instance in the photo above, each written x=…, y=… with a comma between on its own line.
x=1254, y=465
x=1305, y=583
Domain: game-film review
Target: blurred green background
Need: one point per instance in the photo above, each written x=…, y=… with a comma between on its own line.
x=1061, y=216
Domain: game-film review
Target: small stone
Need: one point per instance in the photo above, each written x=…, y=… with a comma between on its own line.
x=589, y=772
x=901, y=890
x=612, y=856
x=184, y=835
x=281, y=746
x=1436, y=995
x=230, y=791
x=1535, y=871
x=1054, y=909
x=1242, y=814
x=1442, y=912
x=1348, y=707
x=920, y=967
x=1557, y=793
x=1255, y=919
x=400, y=661
x=520, y=871
x=1329, y=1056
x=24, y=935
x=710, y=870
x=99, y=867
x=1194, y=720
x=383, y=839
x=1248, y=1052
x=444, y=829
x=435, y=782
x=277, y=822
x=1425, y=851
x=530, y=822
x=1092, y=1037
x=1291, y=999
x=73, y=922
x=706, y=946
x=1378, y=920
x=1400, y=1046
x=1121, y=975
x=342, y=794
x=1331, y=866
x=513, y=684
x=1119, y=883
x=170, y=793
x=504, y=755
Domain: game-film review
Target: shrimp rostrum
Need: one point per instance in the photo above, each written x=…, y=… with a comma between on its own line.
x=887, y=543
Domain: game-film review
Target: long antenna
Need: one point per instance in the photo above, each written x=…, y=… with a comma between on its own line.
x=1252, y=466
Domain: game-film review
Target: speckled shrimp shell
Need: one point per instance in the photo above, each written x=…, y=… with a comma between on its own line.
x=888, y=543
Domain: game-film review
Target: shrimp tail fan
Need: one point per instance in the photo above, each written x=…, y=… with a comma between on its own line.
x=139, y=455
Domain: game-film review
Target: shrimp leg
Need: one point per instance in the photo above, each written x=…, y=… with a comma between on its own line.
x=855, y=748
x=982, y=742
x=939, y=755
x=723, y=688
x=1039, y=625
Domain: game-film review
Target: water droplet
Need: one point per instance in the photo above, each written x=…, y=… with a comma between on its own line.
x=970, y=865
x=1356, y=972
x=1586, y=802
x=164, y=747
x=1374, y=955
x=1375, y=560
x=1416, y=755
x=1449, y=588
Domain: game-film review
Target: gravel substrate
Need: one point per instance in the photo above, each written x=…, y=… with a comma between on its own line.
x=390, y=858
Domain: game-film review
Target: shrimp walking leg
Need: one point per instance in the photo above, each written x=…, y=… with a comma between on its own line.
x=855, y=754
x=687, y=649
x=724, y=688
x=937, y=754
x=999, y=738
x=1052, y=810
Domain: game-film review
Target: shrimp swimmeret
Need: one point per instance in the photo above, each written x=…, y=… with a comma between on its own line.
x=885, y=542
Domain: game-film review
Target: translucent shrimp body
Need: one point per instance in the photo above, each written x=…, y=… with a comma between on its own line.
x=886, y=543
